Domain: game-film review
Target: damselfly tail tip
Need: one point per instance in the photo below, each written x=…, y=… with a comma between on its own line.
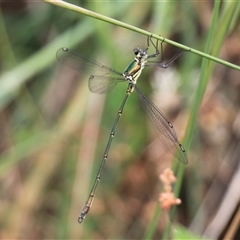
x=83, y=213
x=80, y=219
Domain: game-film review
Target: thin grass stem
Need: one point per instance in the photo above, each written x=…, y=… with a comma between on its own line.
x=98, y=16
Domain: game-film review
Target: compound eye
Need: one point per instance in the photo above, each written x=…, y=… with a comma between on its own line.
x=136, y=50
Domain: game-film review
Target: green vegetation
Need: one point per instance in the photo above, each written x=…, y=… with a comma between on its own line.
x=54, y=130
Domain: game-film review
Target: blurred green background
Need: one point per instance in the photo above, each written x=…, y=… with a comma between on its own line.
x=54, y=130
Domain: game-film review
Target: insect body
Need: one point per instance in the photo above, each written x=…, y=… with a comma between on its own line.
x=104, y=79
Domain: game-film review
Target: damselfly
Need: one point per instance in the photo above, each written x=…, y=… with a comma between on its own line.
x=103, y=79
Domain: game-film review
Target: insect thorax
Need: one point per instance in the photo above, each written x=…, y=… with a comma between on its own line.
x=134, y=69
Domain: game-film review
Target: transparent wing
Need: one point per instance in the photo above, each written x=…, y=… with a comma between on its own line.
x=102, y=78
x=163, y=128
x=103, y=83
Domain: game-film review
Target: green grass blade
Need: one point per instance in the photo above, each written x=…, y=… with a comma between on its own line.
x=138, y=30
x=215, y=39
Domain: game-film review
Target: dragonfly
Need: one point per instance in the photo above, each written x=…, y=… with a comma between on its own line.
x=103, y=79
